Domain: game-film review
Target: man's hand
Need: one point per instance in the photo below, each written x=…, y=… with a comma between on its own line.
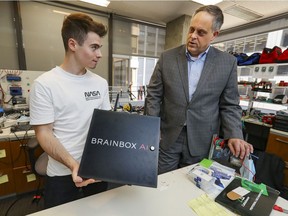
x=240, y=148
x=80, y=182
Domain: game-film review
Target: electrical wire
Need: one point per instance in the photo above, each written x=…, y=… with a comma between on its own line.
x=2, y=94
x=23, y=145
x=11, y=205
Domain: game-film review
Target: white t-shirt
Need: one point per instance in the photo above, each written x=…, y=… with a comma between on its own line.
x=67, y=101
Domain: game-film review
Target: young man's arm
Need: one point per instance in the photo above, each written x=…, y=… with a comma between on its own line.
x=56, y=150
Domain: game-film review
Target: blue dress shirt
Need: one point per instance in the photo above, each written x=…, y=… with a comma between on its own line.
x=195, y=67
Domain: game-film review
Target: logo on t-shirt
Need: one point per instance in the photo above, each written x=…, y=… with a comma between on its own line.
x=92, y=95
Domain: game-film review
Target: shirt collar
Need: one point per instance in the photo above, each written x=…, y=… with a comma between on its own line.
x=201, y=56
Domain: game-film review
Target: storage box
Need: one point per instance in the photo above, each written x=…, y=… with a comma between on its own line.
x=213, y=178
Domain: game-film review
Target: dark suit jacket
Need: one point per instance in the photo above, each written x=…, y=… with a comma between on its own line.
x=215, y=101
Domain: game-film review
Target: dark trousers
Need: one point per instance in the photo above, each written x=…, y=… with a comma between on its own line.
x=62, y=189
x=178, y=155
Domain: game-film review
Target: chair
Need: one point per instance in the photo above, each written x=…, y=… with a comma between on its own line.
x=38, y=158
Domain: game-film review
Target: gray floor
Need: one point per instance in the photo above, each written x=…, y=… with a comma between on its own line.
x=20, y=205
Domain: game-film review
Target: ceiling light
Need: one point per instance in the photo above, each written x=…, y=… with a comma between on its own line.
x=61, y=12
x=208, y=2
x=103, y=3
x=242, y=13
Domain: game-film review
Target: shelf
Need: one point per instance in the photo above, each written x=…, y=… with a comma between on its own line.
x=266, y=102
x=280, y=87
x=264, y=106
x=263, y=70
x=247, y=76
x=261, y=90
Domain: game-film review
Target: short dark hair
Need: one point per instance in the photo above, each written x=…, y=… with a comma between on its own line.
x=214, y=11
x=78, y=25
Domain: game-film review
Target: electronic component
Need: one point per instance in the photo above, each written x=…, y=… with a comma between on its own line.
x=20, y=106
x=18, y=100
x=15, y=90
x=11, y=77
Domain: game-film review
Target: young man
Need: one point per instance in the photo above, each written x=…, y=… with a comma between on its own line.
x=194, y=91
x=62, y=101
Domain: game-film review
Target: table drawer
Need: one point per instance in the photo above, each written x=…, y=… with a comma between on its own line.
x=5, y=155
x=25, y=180
x=278, y=145
x=7, y=185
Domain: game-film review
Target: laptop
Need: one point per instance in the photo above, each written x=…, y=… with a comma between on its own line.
x=122, y=148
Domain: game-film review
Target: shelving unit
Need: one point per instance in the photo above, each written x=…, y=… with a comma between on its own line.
x=269, y=72
x=263, y=106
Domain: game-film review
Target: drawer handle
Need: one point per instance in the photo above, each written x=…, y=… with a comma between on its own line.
x=280, y=140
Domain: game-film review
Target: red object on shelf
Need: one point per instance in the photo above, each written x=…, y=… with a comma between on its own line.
x=269, y=55
x=268, y=119
x=283, y=57
x=281, y=83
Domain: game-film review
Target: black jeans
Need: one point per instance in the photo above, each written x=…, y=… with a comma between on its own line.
x=62, y=189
